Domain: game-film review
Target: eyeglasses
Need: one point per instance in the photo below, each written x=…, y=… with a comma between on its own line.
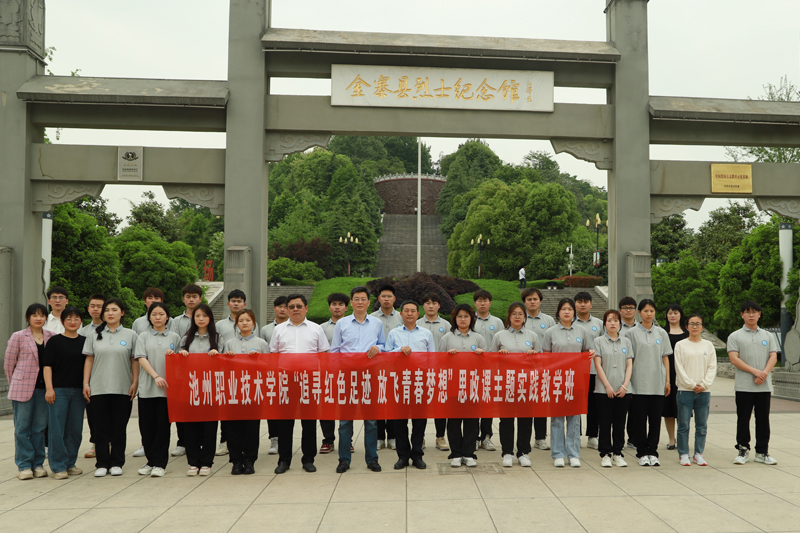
x=628, y=308
x=298, y=306
x=695, y=324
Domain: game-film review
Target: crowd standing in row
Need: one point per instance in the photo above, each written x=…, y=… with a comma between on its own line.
x=640, y=373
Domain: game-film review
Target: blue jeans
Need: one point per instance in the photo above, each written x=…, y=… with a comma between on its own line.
x=687, y=402
x=30, y=421
x=65, y=422
x=571, y=447
x=370, y=440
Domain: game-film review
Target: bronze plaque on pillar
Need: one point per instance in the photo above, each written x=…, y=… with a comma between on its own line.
x=731, y=179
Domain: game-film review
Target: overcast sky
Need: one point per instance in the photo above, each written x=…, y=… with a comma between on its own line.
x=708, y=48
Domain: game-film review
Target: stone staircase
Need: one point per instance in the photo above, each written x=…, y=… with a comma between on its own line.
x=398, y=246
x=552, y=297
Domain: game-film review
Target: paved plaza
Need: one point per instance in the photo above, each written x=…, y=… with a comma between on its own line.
x=721, y=497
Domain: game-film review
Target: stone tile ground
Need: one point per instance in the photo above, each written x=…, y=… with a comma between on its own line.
x=721, y=497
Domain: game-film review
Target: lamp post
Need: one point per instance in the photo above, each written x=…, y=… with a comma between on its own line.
x=597, y=225
x=348, y=242
x=481, y=246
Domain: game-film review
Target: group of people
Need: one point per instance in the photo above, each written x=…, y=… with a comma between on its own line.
x=59, y=368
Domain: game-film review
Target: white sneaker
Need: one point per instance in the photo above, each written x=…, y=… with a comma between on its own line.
x=441, y=444
x=100, y=472
x=178, y=451
x=644, y=460
x=685, y=460
x=456, y=462
x=146, y=470
x=273, y=446
x=541, y=444
x=524, y=460
x=558, y=462
x=471, y=462
x=381, y=444
x=157, y=472
x=743, y=457
x=508, y=460
x=115, y=471
x=654, y=461
x=605, y=462
x=488, y=445
x=139, y=452
x=765, y=458
x=222, y=449
x=593, y=443
x=393, y=444
x=574, y=462
x=698, y=459
x=620, y=461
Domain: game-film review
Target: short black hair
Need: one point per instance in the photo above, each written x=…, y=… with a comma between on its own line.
x=57, y=290
x=338, y=297
x=360, y=288
x=237, y=293
x=531, y=290
x=34, y=309
x=583, y=296
x=627, y=300
x=153, y=292
x=432, y=297
x=192, y=289
x=407, y=302
x=71, y=311
x=387, y=288
x=279, y=301
x=481, y=293
x=296, y=296
x=100, y=297
x=645, y=302
x=749, y=305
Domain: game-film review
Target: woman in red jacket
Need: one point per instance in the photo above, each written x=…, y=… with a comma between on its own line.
x=26, y=390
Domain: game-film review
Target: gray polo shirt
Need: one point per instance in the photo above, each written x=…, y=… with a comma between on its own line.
x=200, y=343
x=141, y=324
x=247, y=344
x=152, y=345
x=614, y=354
x=488, y=327
x=88, y=329
x=390, y=321
x=516, y=341
x=650, y=348
x=111, y=370
x=463, y=343
x=180, y=324
x=226, y=328
x=561, y=339
x=754, y=348
x=539, y=323
x=328, y=328
x=266, y=331
x=594, y=329
x=438, y=327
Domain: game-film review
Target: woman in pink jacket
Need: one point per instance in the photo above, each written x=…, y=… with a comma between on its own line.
x=26, y=390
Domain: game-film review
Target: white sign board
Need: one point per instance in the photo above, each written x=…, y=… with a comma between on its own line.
x=441, y=88
x=130, y=162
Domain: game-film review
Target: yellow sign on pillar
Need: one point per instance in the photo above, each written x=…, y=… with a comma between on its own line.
x=731, y=179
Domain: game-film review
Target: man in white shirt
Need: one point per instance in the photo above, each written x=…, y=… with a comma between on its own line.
x=57, y=299
x=523, y=282
x=297, y=335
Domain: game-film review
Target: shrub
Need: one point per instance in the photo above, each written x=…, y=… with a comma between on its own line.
x=287, y=268
x=581, y=281
x=542, y=283
x=415, y=286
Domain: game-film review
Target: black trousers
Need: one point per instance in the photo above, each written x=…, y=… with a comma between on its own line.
x=629, y=424
x=524, y=432
x=646, y=412
x=273, y=428
x=111, y=412
x=441, y=427
x=308, y=442
x=462, y=441
x=611, y=413
x=746, y=403
x=154, y=428
x=179, y=426
x=328, y=428
x=386, y=429
x=540, y=428
x=523, y=283
x=201, y=443
x=592, y=422
x=412, y=449
x=243, y=440
x=223, y=431
x=90, y=420
x=486, y=428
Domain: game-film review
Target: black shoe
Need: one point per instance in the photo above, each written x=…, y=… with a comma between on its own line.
x=237, y=469
x=309, y=467
x=282, y=467
x=419, y=463
x=248, y=469
x=401, y=464
x=374, y=466
x=343, y=467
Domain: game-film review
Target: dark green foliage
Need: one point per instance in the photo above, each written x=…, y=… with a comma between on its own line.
x=689, y=283
x=98, y=208
x=669, y=238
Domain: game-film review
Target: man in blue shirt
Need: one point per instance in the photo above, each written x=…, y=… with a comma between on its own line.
x=358, y=333
x=410, y=338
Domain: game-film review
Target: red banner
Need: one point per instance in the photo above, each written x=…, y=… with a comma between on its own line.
x=336, y=386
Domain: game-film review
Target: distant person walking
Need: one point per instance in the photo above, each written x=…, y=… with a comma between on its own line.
x=523, y=282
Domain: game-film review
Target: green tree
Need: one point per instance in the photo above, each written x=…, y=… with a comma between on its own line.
x=147, y=260
x=689, y=283
x=670, y=237
x=302, y=223
x=724, y=230
x=216, y=253
x=98, y=208
x=405, y=149
x=283, y=267
x=150, y=214
x=349, y=214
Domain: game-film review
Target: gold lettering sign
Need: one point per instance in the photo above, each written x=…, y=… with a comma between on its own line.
x=731, y=179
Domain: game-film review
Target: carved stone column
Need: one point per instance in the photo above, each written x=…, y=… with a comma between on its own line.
x=281, y=144
x=22, y=25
